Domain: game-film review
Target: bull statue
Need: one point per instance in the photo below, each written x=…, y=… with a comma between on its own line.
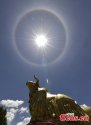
x=45, y=106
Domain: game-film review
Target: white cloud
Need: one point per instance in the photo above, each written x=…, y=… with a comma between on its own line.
x=23, y=110
x=24, y=122
x=11, y=103
x=13, y=108
x=22, y=117
x=11, y=115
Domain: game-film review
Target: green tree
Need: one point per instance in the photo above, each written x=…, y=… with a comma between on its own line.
x=3, y=120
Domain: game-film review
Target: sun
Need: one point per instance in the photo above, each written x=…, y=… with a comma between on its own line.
x=41, y=40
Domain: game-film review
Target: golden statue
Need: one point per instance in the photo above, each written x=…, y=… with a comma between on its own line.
x=45, y=106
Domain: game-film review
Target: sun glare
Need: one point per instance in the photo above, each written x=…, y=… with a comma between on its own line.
x=41, y=40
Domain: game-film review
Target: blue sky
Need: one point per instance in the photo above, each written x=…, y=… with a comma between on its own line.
x=68, y=24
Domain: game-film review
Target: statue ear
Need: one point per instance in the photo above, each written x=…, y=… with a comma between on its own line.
x=37, y=84
x=46, y=90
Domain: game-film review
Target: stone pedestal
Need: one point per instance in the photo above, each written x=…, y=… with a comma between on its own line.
x=59, y=123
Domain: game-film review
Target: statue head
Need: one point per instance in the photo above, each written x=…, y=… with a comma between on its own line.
x=33, y=85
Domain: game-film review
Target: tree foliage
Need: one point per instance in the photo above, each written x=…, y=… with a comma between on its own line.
x=3, y=120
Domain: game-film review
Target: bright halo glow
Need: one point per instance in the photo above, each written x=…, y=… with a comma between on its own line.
x=41, y=40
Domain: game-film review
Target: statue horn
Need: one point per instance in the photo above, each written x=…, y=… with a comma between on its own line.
x=37, y=80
